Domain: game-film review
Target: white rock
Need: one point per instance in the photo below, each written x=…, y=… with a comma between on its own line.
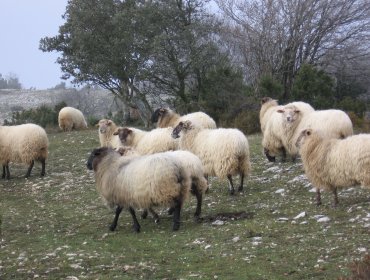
x=236, y=239
x=362, y=249
x=282, y=219
x=280, y=191
x=218, y=223
x=300, y=215
x=207, y=247
x=323, y=220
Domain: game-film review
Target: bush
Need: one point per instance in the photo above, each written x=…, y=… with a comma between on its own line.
x=359, y=123
x=360, y=269
x=43, y=116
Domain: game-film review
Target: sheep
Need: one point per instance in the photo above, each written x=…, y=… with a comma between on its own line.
x=272, y=126
x=139, y=182
x=147, y=142
x=224, y=152
x=331, y=163
x=23, y=143
x=198, y=181
x=334, y=123
x=165, y=117
x=106, y=128
x=71, y=118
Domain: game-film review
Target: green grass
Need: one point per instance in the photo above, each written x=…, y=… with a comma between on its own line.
x=56, y=226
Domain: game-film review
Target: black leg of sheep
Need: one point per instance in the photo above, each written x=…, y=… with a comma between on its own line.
x=231, y=185
x=43, y=167
x=176, y=215
x=336, y=200
x=318, y=197
x=29, y=169
x=241, y=183
x=6, y=173
x=198, y=195
x=136, y=225
x=113, y=226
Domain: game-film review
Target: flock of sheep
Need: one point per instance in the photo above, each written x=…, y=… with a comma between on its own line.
x=137, y=169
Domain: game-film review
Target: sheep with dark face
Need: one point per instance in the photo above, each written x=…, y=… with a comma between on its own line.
x=139, y=182
x=331, y=163
x=192, y=163
x=25, y=143
x=165, y=117
x=224, y=152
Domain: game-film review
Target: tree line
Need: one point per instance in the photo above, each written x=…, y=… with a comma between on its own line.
x=186, y=54
x=10, y=82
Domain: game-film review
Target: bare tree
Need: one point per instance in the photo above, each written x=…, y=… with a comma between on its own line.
x=275, y=37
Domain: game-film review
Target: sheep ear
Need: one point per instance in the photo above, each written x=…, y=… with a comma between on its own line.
x=109, y=122
x=162, y=111
x=97, y=125
x=117, y=131
x=264, y=100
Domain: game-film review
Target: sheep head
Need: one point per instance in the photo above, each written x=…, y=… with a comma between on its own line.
x=302, y=137
x=127, y=151
x=157, y=114
x=290, y=114
x=123, y=134
x=104, y=125
x=182, y=126
x=96, y=156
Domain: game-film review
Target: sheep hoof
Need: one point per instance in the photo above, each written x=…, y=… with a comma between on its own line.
x=136, y=229
x=112, y=227
x=197, y=219
x=232, y=192
x=144, y=215
x=156, y=220
x=240, y=189
x=176, y=227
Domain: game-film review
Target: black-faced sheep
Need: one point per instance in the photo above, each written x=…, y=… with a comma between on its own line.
x=25, y=144
x=334, y=123
x=224, y=152
x=335, y=163
x=193, y=164
x=71, y=118
x=147, y=142
x=139, y=182
x=106, y=129
x=165, y=117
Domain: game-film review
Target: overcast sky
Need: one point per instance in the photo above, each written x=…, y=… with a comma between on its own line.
x=23, y=23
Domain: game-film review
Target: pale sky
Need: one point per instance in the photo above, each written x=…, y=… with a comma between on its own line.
x=22, y=24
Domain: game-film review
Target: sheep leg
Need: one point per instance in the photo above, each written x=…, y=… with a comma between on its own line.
x=270, y=158
x=198, y=195
x=42, y=167
x=136, y=225
x=336, y=201
x=144, y=214
x=176, y=215
x=231, y=185
x=318, y=197
x=155, y=215
x=283, y=154
x=114, y=223
x=171, y=210
x=207, y=190
x=29, y=169
x=241, y=183
x=6, y=173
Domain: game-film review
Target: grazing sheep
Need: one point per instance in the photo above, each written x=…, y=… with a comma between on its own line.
x=106, y=128
x=147, y=142
x=139, y=182
x=193, y=164
x=272, y=126
x=165, y=117
x=23, y=143
x=224, y=152
x=71, y=118
x=334, y=123
x=331, y=163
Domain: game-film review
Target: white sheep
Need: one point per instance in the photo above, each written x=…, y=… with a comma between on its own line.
x=25, y=143
x=190, y=161
x=165, y=117
x=71, y=118
x=331, y=163
x=224, y=152
x=334, y=123
x=272, y=126
x=147, y=142
x=106, y=128
x=140, y=182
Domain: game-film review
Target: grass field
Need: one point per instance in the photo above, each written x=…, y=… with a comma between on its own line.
x=57, y=228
